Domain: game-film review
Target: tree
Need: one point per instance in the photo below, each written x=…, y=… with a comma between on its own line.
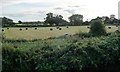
x=107, y=20
x=114, y=21
x=86, y=23
x=20, y=22
x=118, y=22
x=52, y=19
x=49, y=18
x=97, y=28
x=6, y=22
x=98, y=18
x=76, y=19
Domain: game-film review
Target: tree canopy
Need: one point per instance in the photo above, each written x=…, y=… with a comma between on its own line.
x=76, y=19
x=55, y=19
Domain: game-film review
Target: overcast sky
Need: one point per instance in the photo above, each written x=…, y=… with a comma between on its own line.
x=34, y=10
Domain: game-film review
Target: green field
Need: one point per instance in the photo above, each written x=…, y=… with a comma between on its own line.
x=45, y=32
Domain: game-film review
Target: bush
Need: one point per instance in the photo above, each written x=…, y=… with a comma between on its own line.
x=117, y=31
x=97, y=28
x=14, y=60
x=75, y=55
x=86, y=35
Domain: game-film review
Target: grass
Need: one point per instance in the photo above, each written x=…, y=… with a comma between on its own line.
x=45, y=32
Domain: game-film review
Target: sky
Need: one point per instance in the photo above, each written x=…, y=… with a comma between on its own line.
x=36, y=10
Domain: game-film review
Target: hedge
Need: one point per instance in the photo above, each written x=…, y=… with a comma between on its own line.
x=95, y=54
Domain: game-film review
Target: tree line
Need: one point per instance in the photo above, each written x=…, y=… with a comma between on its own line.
x=74, y=20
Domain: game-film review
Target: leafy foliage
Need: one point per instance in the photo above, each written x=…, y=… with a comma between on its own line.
x=62, y=54
x=58, y=19
x=97, y=28
x=76, y=19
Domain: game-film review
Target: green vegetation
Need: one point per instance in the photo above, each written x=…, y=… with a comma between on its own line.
x=63, y=54
x=97, y=28
x=76, y=19
x=57, y=20
x=56, y=45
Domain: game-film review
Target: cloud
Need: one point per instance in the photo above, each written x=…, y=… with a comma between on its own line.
x=41, y=11
x=25, y=17
x=71, y=11
x=32, y=5
x=6, y=3
x=36, y=9
x=58, y=8
x=74, y=6
x=9, y=2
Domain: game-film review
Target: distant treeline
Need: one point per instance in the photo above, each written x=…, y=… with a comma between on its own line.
x=57, y=20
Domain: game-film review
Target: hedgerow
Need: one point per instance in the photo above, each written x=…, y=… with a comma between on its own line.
x=90, y=54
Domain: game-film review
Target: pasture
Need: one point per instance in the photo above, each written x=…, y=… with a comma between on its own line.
x=31, y=33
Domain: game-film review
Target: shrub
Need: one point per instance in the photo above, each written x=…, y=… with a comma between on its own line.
x=14, y=60
x=85, y=35
x=117, y=31
x=116, y=25
x=74, y=55
x=97, y=28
